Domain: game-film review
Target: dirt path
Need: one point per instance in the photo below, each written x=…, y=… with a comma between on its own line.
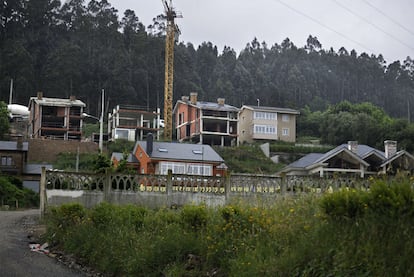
x=16, y=259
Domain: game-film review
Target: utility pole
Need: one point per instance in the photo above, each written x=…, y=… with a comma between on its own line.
x=101, y=122
x=11, y=92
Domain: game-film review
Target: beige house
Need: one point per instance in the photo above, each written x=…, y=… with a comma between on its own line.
x=266, y=123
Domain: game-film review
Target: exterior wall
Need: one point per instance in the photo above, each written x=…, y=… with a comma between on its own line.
x=18, y=160
x=245, y=126
x=145, y=166
x=48, y=151
x=187, y=121
x=290, y=125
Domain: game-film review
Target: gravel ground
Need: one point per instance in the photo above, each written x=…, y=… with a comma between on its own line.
x=18, y=229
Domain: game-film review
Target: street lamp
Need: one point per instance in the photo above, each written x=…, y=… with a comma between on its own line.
x=100, y=128
x=100, y=122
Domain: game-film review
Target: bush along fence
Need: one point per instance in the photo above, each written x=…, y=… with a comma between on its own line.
x=156, y=191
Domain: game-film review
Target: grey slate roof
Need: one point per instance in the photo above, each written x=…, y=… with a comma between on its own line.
x=306, y=161
x=216, y=107
x=396, y=156
x=119, y=156
x=363, y=151
x=12, y=146
x=56, y=102
x=272, y=109
x=181, y=151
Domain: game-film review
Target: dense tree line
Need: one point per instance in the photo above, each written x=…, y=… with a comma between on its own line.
x=78, y=47
x=363, y=122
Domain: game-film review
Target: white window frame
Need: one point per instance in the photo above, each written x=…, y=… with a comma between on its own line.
x=264, y=129
x=200, y=169
x=265, y=115
x=285, y=132
x=177, y=168
x=186, y=168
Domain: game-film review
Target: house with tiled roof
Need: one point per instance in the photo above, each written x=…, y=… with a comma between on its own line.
x=155, y=157
x=353, y=159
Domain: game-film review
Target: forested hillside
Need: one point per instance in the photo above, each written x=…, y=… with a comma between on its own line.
x=79, y=47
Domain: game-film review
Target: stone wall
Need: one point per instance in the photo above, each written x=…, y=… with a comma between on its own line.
x=46, y=150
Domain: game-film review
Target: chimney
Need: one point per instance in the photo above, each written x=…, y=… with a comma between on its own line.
x=221, y=101
x=353, y=146
x=150, y=144
x=40, y=95
x=72, y=98
x=193, y=98
x=184, y=98
x=390, y=147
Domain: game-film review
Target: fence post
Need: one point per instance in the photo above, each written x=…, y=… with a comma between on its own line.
x=169, y=188
x=283, y=184
x=42, y=192
x=227, y=188
x=107, y=185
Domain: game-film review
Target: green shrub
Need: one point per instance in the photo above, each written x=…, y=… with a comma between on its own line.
x=13, y=194
x=395, y=199
x=194, y=217
x=344, y=203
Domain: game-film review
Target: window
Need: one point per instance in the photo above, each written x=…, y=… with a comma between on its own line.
x=121, y=134
x=265, y=115
x=264, y=129
x=182, y=168
x=285, y=132
x=199, y=169
x=180, y=118
x=177, y=168
x=285, y=118
x=6, y=160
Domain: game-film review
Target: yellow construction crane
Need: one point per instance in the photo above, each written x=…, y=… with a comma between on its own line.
x=170, y=14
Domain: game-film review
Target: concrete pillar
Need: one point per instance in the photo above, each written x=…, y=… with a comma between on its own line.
x=42, y=192
x=107, y=186
x=227, y=188
x=169, y=188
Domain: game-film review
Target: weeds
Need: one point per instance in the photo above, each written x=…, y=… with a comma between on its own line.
x=348, y=233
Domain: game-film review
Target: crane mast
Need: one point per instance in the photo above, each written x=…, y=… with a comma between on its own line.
x=170, y=14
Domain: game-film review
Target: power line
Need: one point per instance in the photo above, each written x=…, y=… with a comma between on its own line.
x=325, y=26
x=374, y=25
x=389, y=18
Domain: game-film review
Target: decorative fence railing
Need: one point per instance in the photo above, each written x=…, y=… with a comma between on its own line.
x=179, y=189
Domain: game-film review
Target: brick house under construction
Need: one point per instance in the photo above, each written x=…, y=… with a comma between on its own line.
x=55, y=118
x=212, y=123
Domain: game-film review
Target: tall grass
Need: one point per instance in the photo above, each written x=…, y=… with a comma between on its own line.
x=347, y=233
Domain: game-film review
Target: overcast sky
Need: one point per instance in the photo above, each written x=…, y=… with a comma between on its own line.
x=372, y=26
